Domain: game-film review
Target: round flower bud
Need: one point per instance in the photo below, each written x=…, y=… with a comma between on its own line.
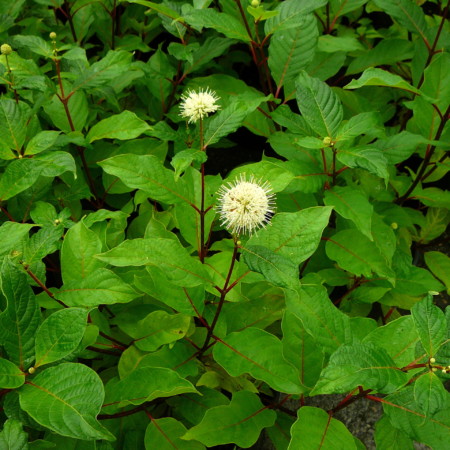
x=432, y=360
x=394, y=225
x=31, y=370
x=255, y=3
x=434, y=369
x=326, y=141
x=245, y=205
x=52, y=35
x=6, y=49
x=444, y=370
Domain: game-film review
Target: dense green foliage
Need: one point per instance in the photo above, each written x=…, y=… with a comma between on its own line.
x=129, y=316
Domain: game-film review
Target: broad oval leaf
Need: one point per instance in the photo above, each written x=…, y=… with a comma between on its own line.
x=11, y=377
x=260, y=354
x=240, y=422
x=66, y=399
x=430, y=394
x=59, y=335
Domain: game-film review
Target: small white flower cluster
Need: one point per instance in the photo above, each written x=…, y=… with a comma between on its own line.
x=245, y=206
x=196, y=105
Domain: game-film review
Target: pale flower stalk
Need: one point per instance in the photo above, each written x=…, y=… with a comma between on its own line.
x=245, y=205
x=197, y=105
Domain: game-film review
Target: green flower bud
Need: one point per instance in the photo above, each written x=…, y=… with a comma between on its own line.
x=6, y=49
x=394, y=225
x=52, y=35
x=255, y=3
x=432, y=360
x=326, y=141
x=31, y=370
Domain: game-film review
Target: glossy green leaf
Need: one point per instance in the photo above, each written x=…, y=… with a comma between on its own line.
x=355, y=253
x=100, y=287
x=292, y=49
x=165, y=434
x=66, y=399
x=77, y=253
x=13, y=117
x=147, y=172
x=369, y=158
x=42, y=141
x=430, y=324
x=430, y=394
x=246, y=352
x=294, y=235
x=123, y=126
x=321, y=319
x=341, y=7
x=144, y=385
x=363, y=123
x=360, y=364
x=399, y=338
x=353, y=205
x=156, y=329
x=439, y=264
x=319, y=105
x=379, y=77
x=59, y=335
x=314, y=428
x=12, y=437
x=11, y=233
x=11, y=377
x=21, y=318
x=387, y=436
x=405, y=414
x=240, y=422
x=276, y=269
x=167, y=254
x=35, y=44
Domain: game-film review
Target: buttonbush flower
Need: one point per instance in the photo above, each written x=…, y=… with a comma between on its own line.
x=245, y=206
x=196, y=105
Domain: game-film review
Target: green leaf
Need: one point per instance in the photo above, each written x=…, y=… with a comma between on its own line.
x=228, y=120
x=167, y=254
x=436, y=83
x=123, y=126
x=59, y=335
x=144, y=385
x=66, y=399
x=439, y=264
x=321, y=319
x=353, y=205
x=240, y=422
x=18, y=176
x=406, y=13
x=369, y=158
x=291, y=12
x=430, y=324
x=292, y=49
x=220, y=22
x=11, y=377
x=363, y=123
x=160, y=8
x=148, y=173
x=165, y=434
x=314, y=428
x=405, y=414
x=13, y=117
x=387, y=436
x=11, y=233
x=379, y=77
x=182, y=160
x=101, y=287
x=156, y=329
x=36, y=44
x=275, y=268
x=355, y=253
x=42, y=141
x=341, y=7
x=21, y=318
x=246, y=352
x=13, y=437
x=360, y=364
x=430, y=394
x=294, y=235
x=79, y=247
x=319, y=105
x=399, y=338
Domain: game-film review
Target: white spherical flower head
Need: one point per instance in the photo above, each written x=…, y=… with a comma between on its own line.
x=245, y=206
x=196, y=105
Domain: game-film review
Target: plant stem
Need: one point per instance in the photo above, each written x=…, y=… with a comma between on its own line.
x=69, y=16
x=123, y=413
x=428, y=155
x=333, y=181
x=11, y=79
x=202, y=211
x=113, y=25
x=223, y=294
x=349, y=399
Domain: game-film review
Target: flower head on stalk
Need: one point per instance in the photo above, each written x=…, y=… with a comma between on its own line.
x=196, y=105
x=245, y=205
